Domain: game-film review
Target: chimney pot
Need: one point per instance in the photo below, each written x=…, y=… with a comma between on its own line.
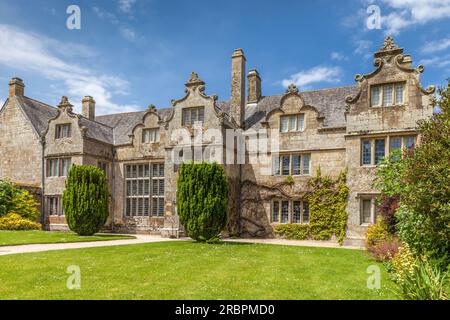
x=88, y=107
x=237, y=111
x=254, y=86
x=16, y=87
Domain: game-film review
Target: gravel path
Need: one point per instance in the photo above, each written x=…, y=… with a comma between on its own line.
x=5, y=250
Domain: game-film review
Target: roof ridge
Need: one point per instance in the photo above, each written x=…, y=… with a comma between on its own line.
x=43, y=103
x=94, y=121
x=333, y=88
x=131, y=112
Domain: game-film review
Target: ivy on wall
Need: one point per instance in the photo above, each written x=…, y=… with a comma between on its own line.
x=328, y=217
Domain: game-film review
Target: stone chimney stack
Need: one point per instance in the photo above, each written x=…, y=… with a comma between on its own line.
x=88, y=107
x=254, y=86
x=16, y=88
x=238, y=87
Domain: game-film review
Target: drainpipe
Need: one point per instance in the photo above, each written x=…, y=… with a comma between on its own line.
x=113, y=189
x=43, y=180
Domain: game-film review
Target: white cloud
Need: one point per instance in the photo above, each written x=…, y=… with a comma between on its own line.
x=337, y=56
x=407, y=13
x=1, y=102
x=363, y=48
x=111, y=17
x=435, y=46
x=320, y=74
x=126, y=5
x=34, y=52
x=438, y=62
x=125, y=31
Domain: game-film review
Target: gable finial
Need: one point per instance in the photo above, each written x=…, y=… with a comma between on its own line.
x=292, y=88
x=195, y=82
x=389, y=44
x=151, y=108
x=64, y=104
x=388, y=50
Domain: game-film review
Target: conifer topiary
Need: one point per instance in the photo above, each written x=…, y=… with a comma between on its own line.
x=85, y=199
x=202, y=200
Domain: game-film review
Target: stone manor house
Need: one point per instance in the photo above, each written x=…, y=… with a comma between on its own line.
x=350, y=127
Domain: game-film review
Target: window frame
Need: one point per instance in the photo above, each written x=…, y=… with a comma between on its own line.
x=381, y=94
x=403, y=142
x=59, y=167
x=140, y=179
x=147, y=133
x=59, y=205
x=278, y=203
x=189, y=111
x=60, y=133
x=288, y=118
x=372, y=144
x=372, y=218
x=278, y=170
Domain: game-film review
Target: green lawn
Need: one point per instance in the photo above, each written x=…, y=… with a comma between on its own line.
x=188, y=270
x=8, y=238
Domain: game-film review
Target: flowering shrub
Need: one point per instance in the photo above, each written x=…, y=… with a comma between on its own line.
x=13, y=221
x=416, y=278
x=377, y=232
x=15, y=199
x=403, y=263
x=384, y=250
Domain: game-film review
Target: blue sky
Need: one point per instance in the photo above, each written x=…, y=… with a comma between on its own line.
x=132, y=53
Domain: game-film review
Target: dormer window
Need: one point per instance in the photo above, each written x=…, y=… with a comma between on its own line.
x=387, y=95
x=63, y=131
x=292, y=123
x=150, y=135
x=193, y=115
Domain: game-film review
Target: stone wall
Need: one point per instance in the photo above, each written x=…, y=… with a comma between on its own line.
x=20, y=147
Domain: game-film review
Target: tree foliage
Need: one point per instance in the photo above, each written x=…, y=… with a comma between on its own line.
x=421, y=180
x=202, y=199
x=85, y=199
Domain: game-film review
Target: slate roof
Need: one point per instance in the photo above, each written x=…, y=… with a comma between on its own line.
x=123, y=123
x=116, y=128
x=40, y=113
x=37, y=112
x=329, y=102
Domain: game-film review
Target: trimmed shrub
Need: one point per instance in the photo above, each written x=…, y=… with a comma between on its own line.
x=13, y=221
x=85, y=200
x=293, y=231
x=17, y=200
x=202, y=200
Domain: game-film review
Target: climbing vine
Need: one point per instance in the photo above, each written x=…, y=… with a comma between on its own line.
x=328, y=217
x=327, y=206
